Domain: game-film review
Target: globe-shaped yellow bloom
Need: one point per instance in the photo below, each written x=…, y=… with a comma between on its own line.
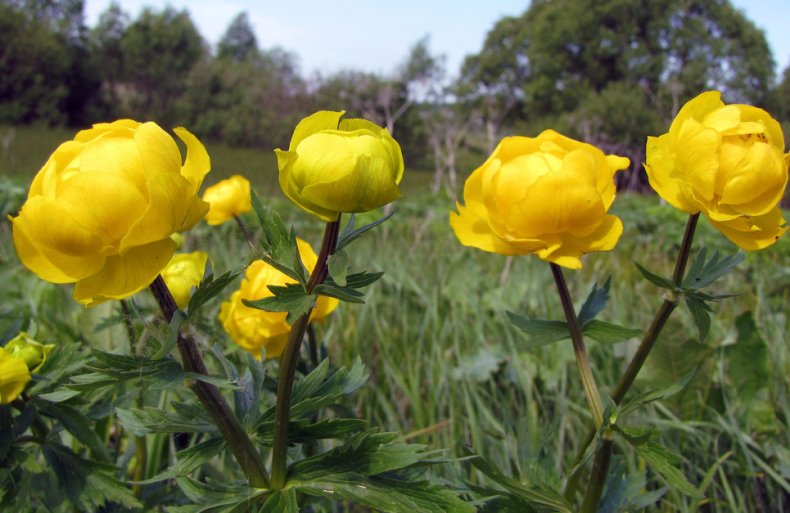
x=32, y=352
x=14, y=375
x=182, y=273
x=101, y=211
x=727, y=162
x=335, y=166
x=228, y=198
x=548, y=195
x=254, y=329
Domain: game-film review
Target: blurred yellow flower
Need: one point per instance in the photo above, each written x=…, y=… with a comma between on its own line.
x=32, y=352
x=254, y=329
x=727, y=162
x=548, y=195
x=184, y=271
x=14, y=375
x=335, y=166
x=101, y=211
x=228, y=198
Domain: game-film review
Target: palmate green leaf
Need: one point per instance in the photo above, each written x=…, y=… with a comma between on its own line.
x=59, y=396
x=625, y=491
x=291, y=298
x=665, y=462
x=281, y=501
x=351, y=290
x=303, y=431
x=209, y=288
x=278, y=243
x=541, y=332
x=153, y=420
x=608, y=333
x=703, y=273
x=78, y=425
x=541, y=499
x=700, y=311
x=338, y=267
x=125, y=367
x=87, y=484
x=349, y=233
x=218, y=497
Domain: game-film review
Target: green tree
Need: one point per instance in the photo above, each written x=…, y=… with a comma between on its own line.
x=106, y=46
x=239, y=42
x=159, y=49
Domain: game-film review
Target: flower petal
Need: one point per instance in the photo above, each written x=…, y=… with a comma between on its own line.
x=321, y=120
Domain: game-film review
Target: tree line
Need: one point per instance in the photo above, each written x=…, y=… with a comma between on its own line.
x=609, y=72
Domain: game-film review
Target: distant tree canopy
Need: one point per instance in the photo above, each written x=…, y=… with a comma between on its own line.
x=613, y=71
x=610, y=72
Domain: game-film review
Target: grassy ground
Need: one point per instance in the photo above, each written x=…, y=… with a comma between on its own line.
x=449, y=370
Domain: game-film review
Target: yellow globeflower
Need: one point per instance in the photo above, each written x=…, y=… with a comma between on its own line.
x=14, y=375
x=547, y=195
x=101, y=211
x=726, y=161
x=254, y=329
x=184, y=271
x=33, y=353
x=335, y=166
x=228, y=199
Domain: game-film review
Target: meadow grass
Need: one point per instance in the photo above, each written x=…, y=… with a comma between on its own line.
x=448, y=369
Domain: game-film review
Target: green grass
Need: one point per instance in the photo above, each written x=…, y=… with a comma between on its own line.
x=448, y=369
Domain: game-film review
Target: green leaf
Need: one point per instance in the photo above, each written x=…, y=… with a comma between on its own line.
x=153, y=420
x=541, y=332
x=277, y=243
x=302, y=431
x=59, y=396
x=190, y=459
x=208, y=289
x=625, y=491
x=637, y=435
x=700, y=311
x=747, y=361
x=281, y=501
x=173, y=331
x=291, y=298
x=650, y=396
x=703, y=273
x=664, y=462
x=350, y=291
x=76, y=424
x=664, y=283
x=540, y=498
x=349, y=234
x=608, y=333
x=338, y=267
x=212, y=495
x=595, y=302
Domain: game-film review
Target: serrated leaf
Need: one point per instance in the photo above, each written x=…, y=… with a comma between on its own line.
x=541, y=332
x=700, y=311
x=625, y=492
x=637, y=435
x=338, y=267
x=208, y=289
x=349, y=234
x=76, y=424
x=281, y=501
x=190, y=459
x=664, y=283
x=153, y=420
x=59, y=396
x=608, y=333
x=278, y=243
x=541, y=499
x=664, y=462
x=291, y=298
x=350, y=292
x=595, y=302
x=212, y=495
x=649, y=396
x=703, y=273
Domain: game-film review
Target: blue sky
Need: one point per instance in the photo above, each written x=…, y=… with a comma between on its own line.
x=375, y=36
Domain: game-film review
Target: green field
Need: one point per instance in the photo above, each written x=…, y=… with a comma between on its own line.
x=448, y=369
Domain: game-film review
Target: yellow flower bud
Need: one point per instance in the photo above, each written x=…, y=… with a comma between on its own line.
x=101, y=211
x=335, y=166
x=727, y=162
x=32, y=352
x=14, y=375
x=548, y=195
x=228, y=198
x=254, y=329
x=182, y=273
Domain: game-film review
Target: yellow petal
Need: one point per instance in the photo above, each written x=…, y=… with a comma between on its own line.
x=753, y=233
x=663, y=175
x=158, y=152
x=321, y=120
x=756, y=182
x=697, y=108
x=197, y=163
x=14, y=375
x=473, y=231
x=125, y=275
x=697, y=159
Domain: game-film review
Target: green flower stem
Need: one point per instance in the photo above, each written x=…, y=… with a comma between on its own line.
x=649, y=339
x=583, y=361
x=243, y=449
x=600, y=470
x=290, y=359
x=313, y=343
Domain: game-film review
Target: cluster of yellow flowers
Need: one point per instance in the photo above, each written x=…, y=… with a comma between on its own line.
x=102, y=210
